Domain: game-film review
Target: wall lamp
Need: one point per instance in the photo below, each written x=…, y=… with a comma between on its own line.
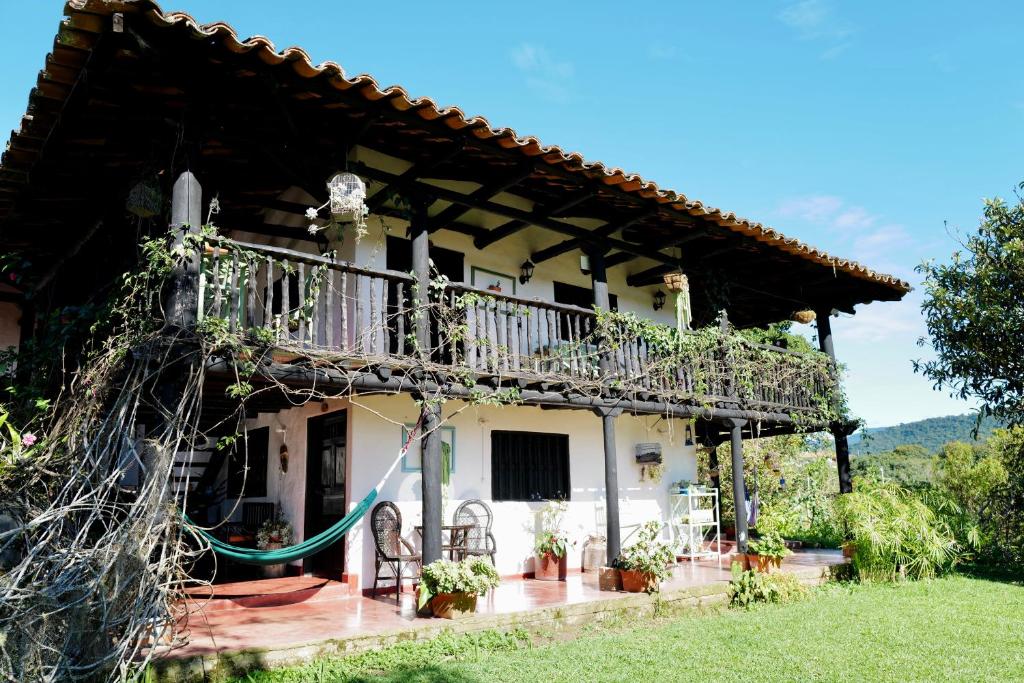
x=659, y=300
x=526, y=271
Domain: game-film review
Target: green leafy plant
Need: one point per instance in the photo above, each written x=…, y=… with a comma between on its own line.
x=894, y=534
x=769, y=545
x=553, y=543
x=275, y=530
x=649, y=555
x=475, y=576
x=748, y=588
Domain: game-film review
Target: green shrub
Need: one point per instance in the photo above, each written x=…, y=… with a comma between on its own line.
x=769, y=545
x=894, y=534
x=748, y=588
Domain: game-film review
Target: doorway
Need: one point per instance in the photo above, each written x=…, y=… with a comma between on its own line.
x=326, y=466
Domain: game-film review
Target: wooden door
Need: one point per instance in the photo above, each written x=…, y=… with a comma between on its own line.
x=326, y=502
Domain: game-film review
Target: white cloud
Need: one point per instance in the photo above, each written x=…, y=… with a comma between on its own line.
x=885, y=321
x=815, y=208
x=544, y=74
x=815, y=21
x=854, y=217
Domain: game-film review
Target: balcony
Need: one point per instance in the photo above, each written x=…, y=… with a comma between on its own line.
x=313, y=306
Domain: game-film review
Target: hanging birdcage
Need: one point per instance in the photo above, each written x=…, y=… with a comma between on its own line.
x=348, y=195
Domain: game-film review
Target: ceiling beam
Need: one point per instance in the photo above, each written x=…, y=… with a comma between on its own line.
x=651, y=275
x=454, y=212
x=514, y=214
x=624, y=257
x=604, y=231
x=512, y=227
x=413, y=173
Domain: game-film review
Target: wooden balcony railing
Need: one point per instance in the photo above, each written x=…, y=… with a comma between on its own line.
x=314, y=303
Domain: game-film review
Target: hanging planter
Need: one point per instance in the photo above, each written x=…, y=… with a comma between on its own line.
x=804, y=317
x=675, y=282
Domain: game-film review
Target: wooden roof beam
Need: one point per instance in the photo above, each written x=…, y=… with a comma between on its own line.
x=415, y=172
x=575, y=243
x=512, y=213
x=512, y=227
x=454, y=212
x=624, y=257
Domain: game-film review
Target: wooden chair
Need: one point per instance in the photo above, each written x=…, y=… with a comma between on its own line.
x=479, y=539
x=253, y=517
x=392, y=551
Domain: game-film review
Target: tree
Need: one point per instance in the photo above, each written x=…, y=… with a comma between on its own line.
x=975, y=315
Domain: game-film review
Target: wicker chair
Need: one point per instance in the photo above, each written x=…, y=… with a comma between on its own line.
x=479, y=539
x=392, y=551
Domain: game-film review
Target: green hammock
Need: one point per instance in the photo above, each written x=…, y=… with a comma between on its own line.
x=310, y=546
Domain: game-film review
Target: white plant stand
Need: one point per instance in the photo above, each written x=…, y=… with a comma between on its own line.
x=694, y=524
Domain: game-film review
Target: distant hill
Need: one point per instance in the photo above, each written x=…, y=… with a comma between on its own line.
x=930, y=434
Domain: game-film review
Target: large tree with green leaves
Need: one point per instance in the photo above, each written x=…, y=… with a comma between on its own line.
x=974, y=309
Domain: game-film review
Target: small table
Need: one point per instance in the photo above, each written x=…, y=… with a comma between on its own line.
x=458, y=539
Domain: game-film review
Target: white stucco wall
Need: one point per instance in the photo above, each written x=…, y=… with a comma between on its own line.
x=375, y=435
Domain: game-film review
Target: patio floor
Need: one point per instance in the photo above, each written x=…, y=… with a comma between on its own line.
x=325, y=614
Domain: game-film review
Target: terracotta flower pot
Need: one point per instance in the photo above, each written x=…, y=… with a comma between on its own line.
x=609, y=579
x=848, y=550
x=453, y=605
x=273, y=571
x=547, y=567
x=639, y=582
x=763, y=563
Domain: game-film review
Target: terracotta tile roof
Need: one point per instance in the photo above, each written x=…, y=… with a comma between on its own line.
x=455, y=119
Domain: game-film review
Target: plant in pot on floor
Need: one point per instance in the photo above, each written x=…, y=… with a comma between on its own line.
x=274, y=534
x=452, y=588
x=646, y=563
x=767, y=552
x=551, y=556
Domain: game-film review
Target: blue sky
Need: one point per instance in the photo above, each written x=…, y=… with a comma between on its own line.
x=870, y=129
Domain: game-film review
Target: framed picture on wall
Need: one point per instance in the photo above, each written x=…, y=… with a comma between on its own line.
x=413, y=460
x=492, y=281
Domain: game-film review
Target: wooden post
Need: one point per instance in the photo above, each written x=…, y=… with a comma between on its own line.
x=611, y=482
x=716, y=477
x=739, y=497
x=186, y=217
x=431, y=480
x=839, y=431
x=599, y=282
x=421, y=269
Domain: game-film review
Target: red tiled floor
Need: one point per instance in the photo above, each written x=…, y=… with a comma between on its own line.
x=213, y=631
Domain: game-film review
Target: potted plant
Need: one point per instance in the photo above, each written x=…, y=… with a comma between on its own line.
x=274, y=534
x=551, y=556
x=767, y=552
x=452, y=588
x=645, y=564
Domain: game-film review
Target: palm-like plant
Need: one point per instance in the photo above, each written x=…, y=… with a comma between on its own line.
x=894, y=534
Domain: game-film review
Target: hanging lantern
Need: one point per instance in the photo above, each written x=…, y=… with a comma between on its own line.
x=145, y=198
x=803, y=317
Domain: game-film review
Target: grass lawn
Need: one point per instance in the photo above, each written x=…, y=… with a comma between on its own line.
x=955, y=628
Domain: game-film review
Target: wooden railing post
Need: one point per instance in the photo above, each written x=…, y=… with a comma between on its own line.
x=421, y=269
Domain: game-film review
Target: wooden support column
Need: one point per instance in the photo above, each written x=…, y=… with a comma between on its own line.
x=599, y=283
x=611, y=482
x=186, y=217
x=716, y=477
x=840, y=432
x=431, y=480
x=421, y=269
x=739, y=497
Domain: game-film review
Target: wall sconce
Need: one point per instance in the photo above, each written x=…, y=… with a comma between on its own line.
x=659, y=300
x=525, y=271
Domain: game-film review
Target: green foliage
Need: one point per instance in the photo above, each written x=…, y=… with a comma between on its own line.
x=909, y=466
x=474, y=575
x=553, y=542
x=970, y=474
x=1002, y=518
x=274, y=530
x=649, y=554
x=930, y=434
x=974, y=316
x=895, y=535
x=769, y=545
x=748, y=588
x=409, y=656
